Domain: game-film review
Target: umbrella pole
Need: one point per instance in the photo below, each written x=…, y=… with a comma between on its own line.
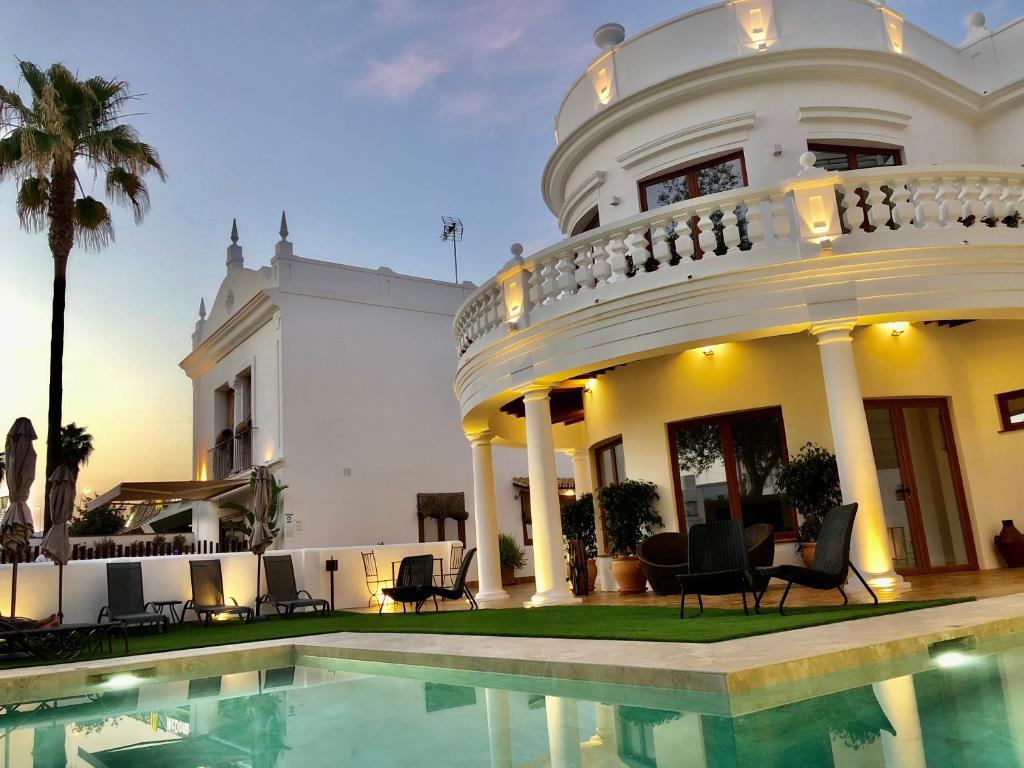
x=14, y=587
x=60, y=593
x=259, y=562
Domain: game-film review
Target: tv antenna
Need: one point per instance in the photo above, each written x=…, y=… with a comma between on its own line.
x=452, y=230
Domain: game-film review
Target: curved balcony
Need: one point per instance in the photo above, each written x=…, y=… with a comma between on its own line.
x=930, y=242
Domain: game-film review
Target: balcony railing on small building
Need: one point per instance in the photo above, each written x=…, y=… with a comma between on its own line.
x=232, y=455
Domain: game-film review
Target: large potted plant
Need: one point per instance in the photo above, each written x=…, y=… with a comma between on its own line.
x=630, y=518
x=511, y=556
x=578, y=523
x=810, y=483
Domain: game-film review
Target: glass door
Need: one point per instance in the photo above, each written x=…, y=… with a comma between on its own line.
x=922, y=492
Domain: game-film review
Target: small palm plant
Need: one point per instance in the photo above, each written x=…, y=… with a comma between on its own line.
x=273, y=510
x=75, y=447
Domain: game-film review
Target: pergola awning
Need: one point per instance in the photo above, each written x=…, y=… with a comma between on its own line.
x=168, y=490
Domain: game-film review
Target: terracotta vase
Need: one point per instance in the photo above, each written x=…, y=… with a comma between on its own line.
x=629, y=575
x=508, y=577
x=807, y=550
x=1010, y=543
x=592, y=574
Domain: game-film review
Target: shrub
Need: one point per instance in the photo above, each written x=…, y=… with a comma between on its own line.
x=178, y=543
x=510, y=554
x=159, y=540
x=630, y=515
x=101, y=521
x=810, y=482
x=578, y=523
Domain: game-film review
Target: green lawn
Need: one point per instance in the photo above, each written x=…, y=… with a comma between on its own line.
x=657, y=623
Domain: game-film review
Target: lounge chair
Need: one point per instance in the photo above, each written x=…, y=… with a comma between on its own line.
x=831, y=565
x=719, y=564
x=414, y=583
x=125, y=601
x=61, y=642
x=281, y=591
x=208, y=594
x=663, y=557
x=459, y=590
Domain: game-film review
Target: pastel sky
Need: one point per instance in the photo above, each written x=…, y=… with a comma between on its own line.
x=367, y=120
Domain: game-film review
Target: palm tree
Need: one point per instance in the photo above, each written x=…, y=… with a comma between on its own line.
x=70, y=125
x=75, y=447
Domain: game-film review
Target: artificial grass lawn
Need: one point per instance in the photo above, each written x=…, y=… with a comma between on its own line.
x=603, y=622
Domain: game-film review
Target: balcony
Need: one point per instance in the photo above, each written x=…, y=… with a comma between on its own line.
x=932, y=239
x=232, y=455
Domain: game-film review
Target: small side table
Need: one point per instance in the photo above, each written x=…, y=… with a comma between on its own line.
x=171, y=605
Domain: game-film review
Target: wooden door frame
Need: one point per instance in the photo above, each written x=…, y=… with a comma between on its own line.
x=895, y=405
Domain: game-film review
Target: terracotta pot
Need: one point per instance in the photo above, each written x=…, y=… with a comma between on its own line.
x=629, y=575
x=1010, y=543
x=591, y=574
x=807, y=549
x=508, y=577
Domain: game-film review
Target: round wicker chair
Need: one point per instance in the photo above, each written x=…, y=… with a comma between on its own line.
x=761, y=551
x=663, y=557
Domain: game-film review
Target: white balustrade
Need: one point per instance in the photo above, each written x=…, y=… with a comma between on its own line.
x=874, y=203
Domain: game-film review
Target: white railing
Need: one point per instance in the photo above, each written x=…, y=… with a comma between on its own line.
x=720, y=226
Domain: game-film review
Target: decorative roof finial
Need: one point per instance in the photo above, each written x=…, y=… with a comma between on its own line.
x=234, y=231
x=202, y=309
x=284, y=227
x=283, y=247
x=234, y=258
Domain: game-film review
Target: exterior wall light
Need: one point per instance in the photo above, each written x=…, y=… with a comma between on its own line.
x=819, y=222
x=893, y=23
x=708, y=351
x=602, y=77
x=514, y=288
x=589, y=386
x=897, y=329
x=814, y=199
x=756, y=20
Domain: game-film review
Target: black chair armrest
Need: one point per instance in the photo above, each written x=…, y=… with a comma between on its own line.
x=235, y=602
x=104, y=611
x=305, y=592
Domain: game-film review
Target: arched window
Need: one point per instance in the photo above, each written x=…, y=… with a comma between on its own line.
x=590, y=220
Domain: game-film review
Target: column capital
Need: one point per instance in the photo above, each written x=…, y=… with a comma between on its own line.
x=481, y=437
x=833, y=331
x=572, y=453
x=535, y=391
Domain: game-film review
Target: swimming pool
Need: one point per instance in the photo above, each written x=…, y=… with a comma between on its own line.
x=963, y=707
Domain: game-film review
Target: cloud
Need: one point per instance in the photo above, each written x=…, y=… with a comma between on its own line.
x=398, y=12
x=402, y=77
x=475, y=103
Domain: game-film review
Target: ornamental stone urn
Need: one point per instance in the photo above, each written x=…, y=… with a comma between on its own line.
x=1010, y=543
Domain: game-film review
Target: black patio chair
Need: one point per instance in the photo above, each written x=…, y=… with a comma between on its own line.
x=125, y=600
x=760, y=542
x=61, y=642
x=459, y=589
x=208, y=594
x=831, y=565
x=374, y=581
x=281, y=591
x=719, y=564
x=455, y=558
x=415, y=583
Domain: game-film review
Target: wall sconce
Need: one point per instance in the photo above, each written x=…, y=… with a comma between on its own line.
x=602, y=76
x=893, y=23
x=819, y=222
x=897, y=329
x=755, y=19
x=514, y=297
x=588, y=388
x=708, y=351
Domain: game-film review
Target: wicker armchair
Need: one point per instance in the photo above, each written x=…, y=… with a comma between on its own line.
x=719, y=564
x=663, y=557
x=761, y=551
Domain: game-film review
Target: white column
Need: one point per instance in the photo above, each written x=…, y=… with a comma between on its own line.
x=486, y=515
x=563, y=731
x=899, y=701
x=499, y=727
x=548, y=560
x=858, y=476
x=581, y=475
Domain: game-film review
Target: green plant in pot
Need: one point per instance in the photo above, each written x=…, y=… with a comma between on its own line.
x=578, y=523
x=511, y=556
x=630, y=517
x=810, y=483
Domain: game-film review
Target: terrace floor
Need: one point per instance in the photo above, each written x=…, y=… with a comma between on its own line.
x=979, y=584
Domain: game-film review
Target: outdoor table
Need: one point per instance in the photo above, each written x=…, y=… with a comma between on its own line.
x=438, y=561
x=171, y=606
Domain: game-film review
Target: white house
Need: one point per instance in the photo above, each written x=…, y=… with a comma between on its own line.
x=339, y=379
x=787, y=221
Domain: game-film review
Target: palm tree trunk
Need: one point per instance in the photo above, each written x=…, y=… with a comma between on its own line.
x=61, y=211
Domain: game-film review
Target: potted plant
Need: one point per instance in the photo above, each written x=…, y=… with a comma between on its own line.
x=511, y=556
x=810, y=483
x=630, y=517
x=178, y=543
x=578, y=523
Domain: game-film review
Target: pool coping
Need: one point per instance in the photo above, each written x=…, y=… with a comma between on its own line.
x=752, y=672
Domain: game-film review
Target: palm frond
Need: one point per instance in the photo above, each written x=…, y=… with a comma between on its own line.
x=31, y=204
x=34, y=77
x=119, y=146
x=93, y=226
x=10, y=153
x=11, y=102
x=127, y=188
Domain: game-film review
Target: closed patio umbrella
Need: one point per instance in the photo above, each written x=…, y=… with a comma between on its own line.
x=260, y=537
x=16, y=526
x=56, y=544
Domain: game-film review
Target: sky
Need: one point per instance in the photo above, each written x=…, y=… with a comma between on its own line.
x=367, y=120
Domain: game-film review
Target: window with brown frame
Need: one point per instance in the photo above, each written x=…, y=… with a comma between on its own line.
x=845, y=157
x=1011, y=410
x=726, y=467
x=527, y=514
x=707, y=177
x=611, y=462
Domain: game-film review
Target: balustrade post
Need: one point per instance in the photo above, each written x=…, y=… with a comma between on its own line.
x=601, y=269
x=948, y=200
x=729, y=224
x=617, y=263
x=902, y=212
x=706, y=237
x=754, y=219
x=778, y=213
x=584, y=268
x=566, y=279
x=878, y=209
x=969, y=199
x=660, y=245
x=636, y=246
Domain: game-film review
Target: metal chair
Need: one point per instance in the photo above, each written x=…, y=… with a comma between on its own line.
x=454, y=563
x=415, y=583
x=125, y=600
x=374, y=582
x=719, y=564
x=459, y=589
x=831, y=565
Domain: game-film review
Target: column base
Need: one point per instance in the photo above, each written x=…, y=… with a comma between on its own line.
x=554, y=597
x=491, y=596
x=881, y=583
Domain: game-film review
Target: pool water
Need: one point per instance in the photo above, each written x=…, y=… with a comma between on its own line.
x=960, y=710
